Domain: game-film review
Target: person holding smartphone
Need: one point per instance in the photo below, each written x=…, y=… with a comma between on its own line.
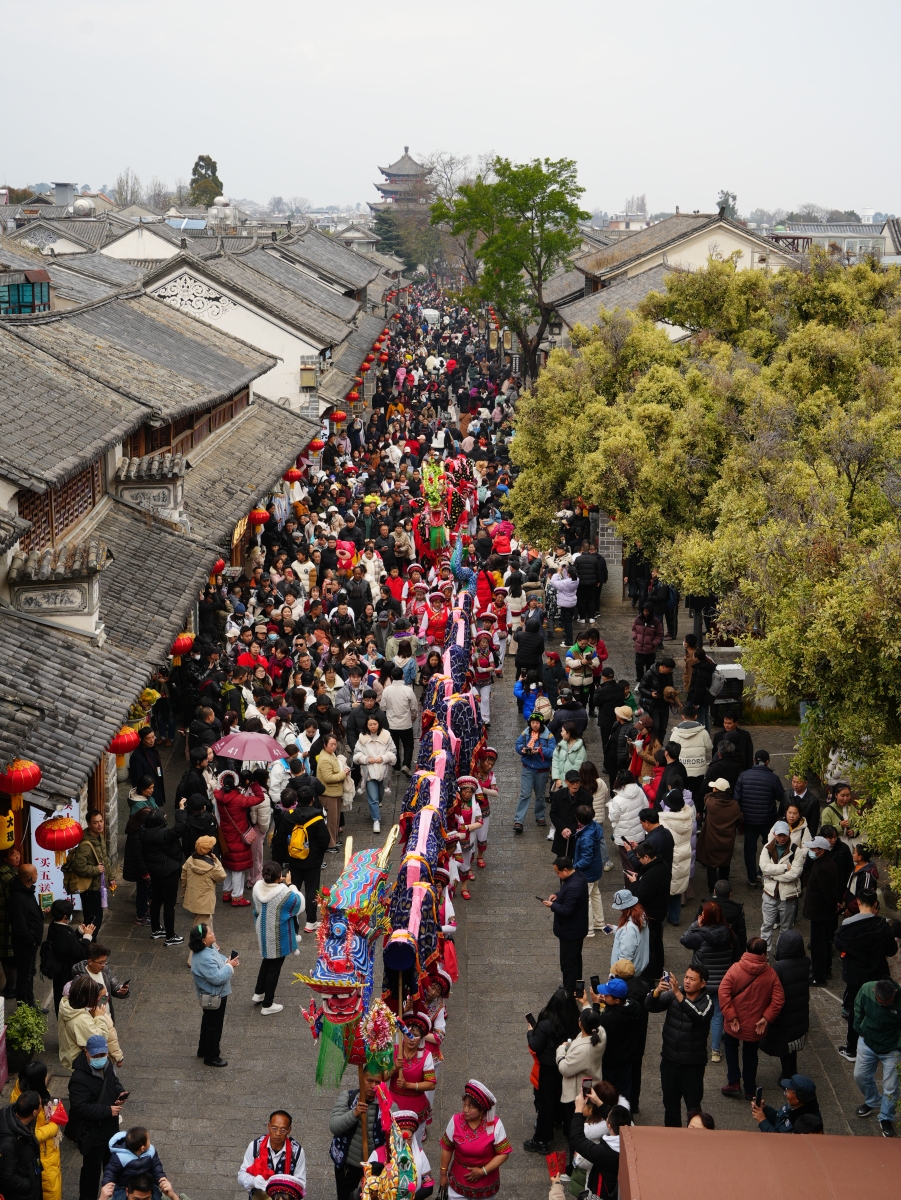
x=212, y=973
x=683, y=1058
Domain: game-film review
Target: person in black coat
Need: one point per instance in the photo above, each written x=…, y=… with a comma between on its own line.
x=145, y=760
x=740, y=739
x=306, y=872
x=134, y=869
x=204, y=730
x=786, y=1035
x=529, y=646
x=683, y=1056
x=93, y=1112
x=723, y=765
x=624, y=1021
x=866, y=943
x=564, y=802
x=68, y=945
x=193, y=782
x=651, y=884
x=200, y=821
x=568, y=709
x=163, y=856
x=20, y=1154
x=821, y=896
x=569, y=905
x=26, y=927
x=840, y=852
x=557, y=1021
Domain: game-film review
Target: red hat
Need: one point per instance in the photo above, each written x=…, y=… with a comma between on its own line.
x=418, y=1020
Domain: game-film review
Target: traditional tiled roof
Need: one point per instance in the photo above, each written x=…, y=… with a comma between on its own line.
x=162, y=359
x=625, y=294
x=100, y=266
x=334, y=386
x=234, y=469
x=892, y=231
x=63, y=700
x=330, y=259
x=46, y=233
x=11, y=529
x=405, y=165
x=386, y=262
x=292, y=275
x=646, y=241
x=88, y=556
x=563, y=285
x=150, y=586
x=152, y=466
x=350, y=355
x=833, y=228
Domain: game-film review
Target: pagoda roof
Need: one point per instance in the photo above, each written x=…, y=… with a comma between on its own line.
x=406, y=165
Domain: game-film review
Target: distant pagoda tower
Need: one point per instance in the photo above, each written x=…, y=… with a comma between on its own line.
x=406, y=182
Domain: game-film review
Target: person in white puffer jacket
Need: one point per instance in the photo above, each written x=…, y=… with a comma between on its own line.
x=622, y=812
x=679, y=818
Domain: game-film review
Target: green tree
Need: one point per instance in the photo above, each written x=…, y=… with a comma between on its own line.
x=205, y=182
x=521, y=221
x=758, y=461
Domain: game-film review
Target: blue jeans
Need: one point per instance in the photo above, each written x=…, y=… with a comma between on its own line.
x=747, y=1073
x=674, y=913
x=865, y=1078
x=718, y=1022
x=605, y=853
x=704, y=715
x=531, y=780
x=374, y=796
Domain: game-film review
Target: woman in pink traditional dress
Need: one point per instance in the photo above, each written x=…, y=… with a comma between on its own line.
x=433, y=623
x=474, y=1147
x=414, y=1068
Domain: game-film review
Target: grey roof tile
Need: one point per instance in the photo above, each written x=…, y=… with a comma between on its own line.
x=329, y=257
x=625, y=294
x=11, y=529
x=271, y=262
x=350, y=355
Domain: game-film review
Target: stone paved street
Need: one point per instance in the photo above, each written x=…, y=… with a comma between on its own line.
x=201, y=1119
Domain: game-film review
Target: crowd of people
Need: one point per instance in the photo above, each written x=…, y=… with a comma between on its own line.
x=325, y=641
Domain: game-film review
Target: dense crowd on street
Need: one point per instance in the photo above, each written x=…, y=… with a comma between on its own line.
x=325, y=640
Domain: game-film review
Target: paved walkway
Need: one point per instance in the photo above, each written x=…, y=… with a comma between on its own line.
x=201, y=1119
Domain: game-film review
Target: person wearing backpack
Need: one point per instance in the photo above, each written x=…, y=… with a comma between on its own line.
x=63, y=947
x=307, y=845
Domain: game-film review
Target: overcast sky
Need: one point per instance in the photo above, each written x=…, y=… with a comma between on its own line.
x=780, y=102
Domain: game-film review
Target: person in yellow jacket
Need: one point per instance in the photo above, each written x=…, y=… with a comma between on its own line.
x=199, y=876
x=33, y=1078
x=81, y=1015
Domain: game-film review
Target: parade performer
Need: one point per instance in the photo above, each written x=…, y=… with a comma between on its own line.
x=498, y=608
x=413, y=1078
x=483, y=770
x=485, y=668
x=474, y=1147
x=433, y=623
x=467, y=818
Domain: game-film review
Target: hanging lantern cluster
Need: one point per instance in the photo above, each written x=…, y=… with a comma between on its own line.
x=59, y=834
x=21, y=775
x=180, y=646
x=123, y=743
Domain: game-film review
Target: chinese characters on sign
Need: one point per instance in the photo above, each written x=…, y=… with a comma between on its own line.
x=50, y=876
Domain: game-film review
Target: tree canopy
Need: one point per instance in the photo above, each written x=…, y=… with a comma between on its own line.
x=759, y=461
x=521, y=222
x=205, y=182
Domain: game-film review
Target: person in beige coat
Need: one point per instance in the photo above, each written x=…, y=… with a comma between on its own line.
x=680, y=822
x=331, y=775
x=82, y=1014
x=580, y=1058
x=199, y=875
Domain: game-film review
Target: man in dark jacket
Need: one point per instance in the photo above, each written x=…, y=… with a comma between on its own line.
x=20, y=1155
x=650, y=693
x=529, y=646
x=740, y=739
x=734, y=915
x=759, y=793
x=840, y=853
x=564, y=803
x=699, y=695
x=655, y=835
x=800, y=1100
x=604, y=1154
x=651, y=884
x=306, y=872
x=26, y=926
x=569, y=905
x=204, y=729
x=866, y=943
x=94, y=1091
x=807, y=804
x=568, y=709
x=608, y=697
x=621, y=1020
x=683, y=1056
x=821, y=897
x=792, y=966
x=591, y=571
x=193, y=782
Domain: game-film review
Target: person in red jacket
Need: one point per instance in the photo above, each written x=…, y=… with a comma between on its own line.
x=433, y=625
x=234, y=800
x=751, y=997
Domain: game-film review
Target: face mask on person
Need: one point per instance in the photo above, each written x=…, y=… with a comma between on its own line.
x=97, y=1064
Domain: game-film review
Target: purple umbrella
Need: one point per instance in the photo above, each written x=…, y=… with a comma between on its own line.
x=249, y=747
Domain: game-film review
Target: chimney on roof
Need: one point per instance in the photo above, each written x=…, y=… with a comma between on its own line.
x=289, y=224
x=722, y=210
x=184, y=243
x=677, y=210
x=274, y=236
x=64, y=194
x=406, y=149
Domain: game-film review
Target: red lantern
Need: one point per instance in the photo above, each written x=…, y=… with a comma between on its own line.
x=369, y=358
x=123, y=743
x=358, y=379
x=352, y=396
x=218, y=566
x=292, y=475
x=21, y=775
x=339, y=415
x=365, y=367
x=316, y=445
x=180, y=646
x=59, y=834
x=258, y=516
x=385, y=331
x=383, y=358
